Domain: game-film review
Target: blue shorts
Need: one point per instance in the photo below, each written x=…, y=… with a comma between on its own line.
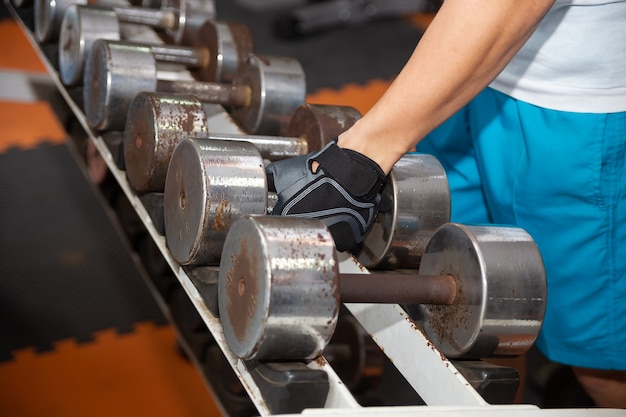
x=561, y=177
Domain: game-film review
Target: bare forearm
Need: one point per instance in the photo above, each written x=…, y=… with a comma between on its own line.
x=465, y=47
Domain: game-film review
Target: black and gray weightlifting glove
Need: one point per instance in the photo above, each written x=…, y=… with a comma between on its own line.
x=344, y=192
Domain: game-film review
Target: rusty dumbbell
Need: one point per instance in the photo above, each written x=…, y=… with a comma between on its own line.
x=217, y=51
x=179, y=19
x=211, y=183
x=261, y=97
x=481, y=289
x=157, y=122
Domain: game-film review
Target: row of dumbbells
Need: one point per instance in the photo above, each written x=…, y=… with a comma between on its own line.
x=260, y=91
x=177, y=19
x=269, y=93
x=481, y=290
x=490, y=301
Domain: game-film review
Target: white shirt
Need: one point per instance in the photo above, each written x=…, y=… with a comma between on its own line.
x=575, y=61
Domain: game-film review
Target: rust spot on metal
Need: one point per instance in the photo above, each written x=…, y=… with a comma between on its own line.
x=242, y=290
x=243, y=39
x=358, y=263
x=318, y=124
x=444, y=320
x=429, y=343
x=138, y=141
x=223, y=216
x=321, y=361
x=165, y=121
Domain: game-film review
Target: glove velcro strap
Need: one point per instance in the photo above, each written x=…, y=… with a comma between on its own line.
x=361, y=176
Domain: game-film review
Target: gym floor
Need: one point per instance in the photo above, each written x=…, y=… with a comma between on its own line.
x=80, y=332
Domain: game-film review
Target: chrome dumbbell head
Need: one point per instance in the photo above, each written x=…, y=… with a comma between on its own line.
x=80, y=27
x=209, y=184
x=418, y=187
x=48, y=17
x=114, y=75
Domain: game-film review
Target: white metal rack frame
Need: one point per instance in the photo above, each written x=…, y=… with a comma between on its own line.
x=442, y=387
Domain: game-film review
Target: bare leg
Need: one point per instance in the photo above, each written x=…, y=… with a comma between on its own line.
x=607, y=388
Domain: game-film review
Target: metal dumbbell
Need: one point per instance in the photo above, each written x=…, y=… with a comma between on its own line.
x=49, y=14
x=421, y=204
x=263, y=94
x=156, y=122
x=218, y=50
x=211, y=183
x=178, y=18
x=482, y=289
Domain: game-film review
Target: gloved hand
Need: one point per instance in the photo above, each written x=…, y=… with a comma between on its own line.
x=344, y=192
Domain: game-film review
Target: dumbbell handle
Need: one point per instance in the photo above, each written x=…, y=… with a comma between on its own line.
x=273, y=148
x=190, y=56
x=395, y=288
x=156, y=18
x=208, y=92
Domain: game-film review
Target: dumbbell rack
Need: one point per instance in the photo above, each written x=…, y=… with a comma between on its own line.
x=434, y=377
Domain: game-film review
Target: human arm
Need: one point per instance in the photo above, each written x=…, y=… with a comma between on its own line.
x=467, y=44
x=465, y=47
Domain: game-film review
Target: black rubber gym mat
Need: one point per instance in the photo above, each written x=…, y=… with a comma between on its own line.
x=65, y=272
